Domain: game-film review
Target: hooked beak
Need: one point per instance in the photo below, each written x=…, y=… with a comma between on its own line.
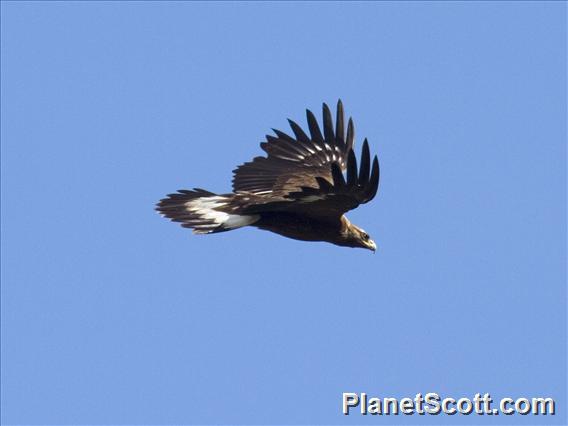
x=372, y=245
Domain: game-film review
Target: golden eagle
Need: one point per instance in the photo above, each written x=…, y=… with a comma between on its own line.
x=297, y=191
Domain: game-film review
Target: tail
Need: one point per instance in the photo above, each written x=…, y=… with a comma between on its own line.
x=203, y=211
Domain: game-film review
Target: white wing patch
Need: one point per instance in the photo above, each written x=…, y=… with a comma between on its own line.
x=206, y=209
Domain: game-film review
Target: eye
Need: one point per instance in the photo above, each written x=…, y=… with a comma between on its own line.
x=365, y=236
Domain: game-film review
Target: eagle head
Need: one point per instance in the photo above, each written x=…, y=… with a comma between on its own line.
x=353, y=236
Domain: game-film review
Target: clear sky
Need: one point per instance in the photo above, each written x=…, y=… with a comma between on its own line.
x=111, y=314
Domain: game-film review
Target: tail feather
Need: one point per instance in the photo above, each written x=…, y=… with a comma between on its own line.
x=203, y=211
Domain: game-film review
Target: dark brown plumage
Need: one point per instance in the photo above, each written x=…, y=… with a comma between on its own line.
x=298, y=190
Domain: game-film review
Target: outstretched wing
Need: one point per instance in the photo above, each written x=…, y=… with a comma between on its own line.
x=295, y=162
x=304, y=175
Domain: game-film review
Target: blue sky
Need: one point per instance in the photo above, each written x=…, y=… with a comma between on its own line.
x=112, y=315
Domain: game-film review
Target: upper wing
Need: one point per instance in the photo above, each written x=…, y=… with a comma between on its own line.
x=304, y=175
x=329, y=198
x=293, y=163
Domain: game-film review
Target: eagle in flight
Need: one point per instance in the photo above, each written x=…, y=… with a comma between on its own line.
x=298, y=190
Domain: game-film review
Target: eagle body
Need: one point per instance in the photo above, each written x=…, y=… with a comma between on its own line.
x=297, y=191
x=298, y=226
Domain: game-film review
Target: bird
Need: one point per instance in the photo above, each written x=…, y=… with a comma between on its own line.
x=297, y=190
